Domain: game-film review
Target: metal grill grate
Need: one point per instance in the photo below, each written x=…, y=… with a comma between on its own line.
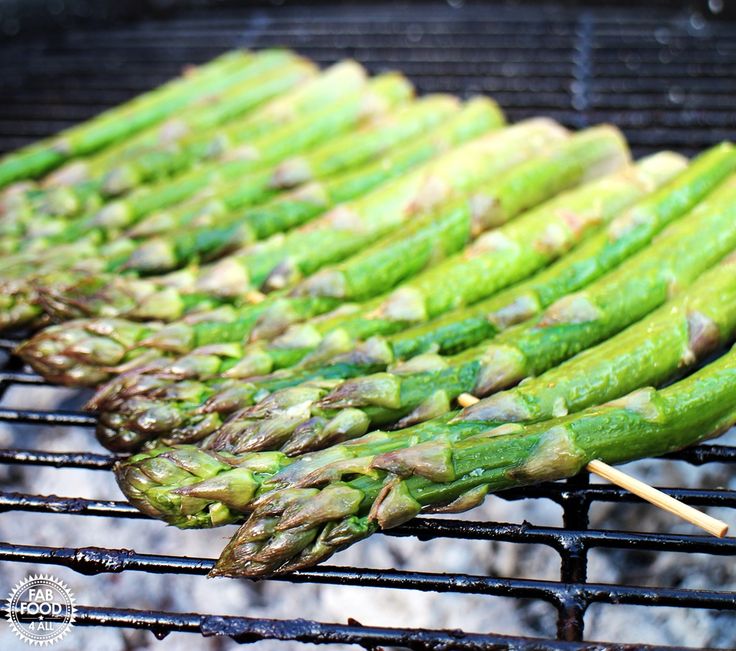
x=665, y=76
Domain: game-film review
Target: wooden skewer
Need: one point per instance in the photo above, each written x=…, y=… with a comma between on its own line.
x=652, y=495
x=658, y=498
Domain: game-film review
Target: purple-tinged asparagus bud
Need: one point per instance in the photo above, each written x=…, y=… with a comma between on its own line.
x=423, y=363
x=99, y=351
x=163, y=305
x=328, y=282
x=520, y=309
x=315, y=433
x=703, y=336
x=337, y=342
x=154, y=255
x=284, y=399
x=121, y=388
x=61, y=201
x=333, y=537
x=283, y=274
x=290, y=173
x=124, y=332
x=113, y=216
x=175, y=338
x=202, y=362
x=328, y=473
x=254, y=362
x=333, y=502
x=150, y=417
x=120, y=179
x=372, y=352
x=273, y=322
x=303, y=335
x=645, y=402
x=573, y=308
x=229, y=399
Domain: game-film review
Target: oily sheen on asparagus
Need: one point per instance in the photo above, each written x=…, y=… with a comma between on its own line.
x=288, y=276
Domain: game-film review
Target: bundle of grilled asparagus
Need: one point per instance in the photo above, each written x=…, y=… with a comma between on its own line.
x=284, y=279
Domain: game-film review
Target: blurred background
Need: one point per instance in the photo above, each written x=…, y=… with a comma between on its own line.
x=664, y=73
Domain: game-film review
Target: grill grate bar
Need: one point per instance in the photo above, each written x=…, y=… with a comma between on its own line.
x=560, y=493
x=95, y=561
x=249, y=630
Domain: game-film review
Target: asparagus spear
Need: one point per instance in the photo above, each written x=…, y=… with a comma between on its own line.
x=226, y=277
x=594, y=202
x=463, y=280
x=224, y=142
x=86, y=352
x=144, y=299
x=425, y=387
x=352, y=105
x=208, y=487
x=385, y=91
x=347, y=228
x=118, y=123
x=340, y=81
x=428, y=238
x=299, y=527
x=222, y=227
x=84, y=184
x=462, y=168
x=65, y=296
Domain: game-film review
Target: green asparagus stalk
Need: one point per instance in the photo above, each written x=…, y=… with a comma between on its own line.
x=584, y=157
x=167, y=298
x=225, y=397
x=84, y=184
x=118, y=123
x=330, y=162
x=227, y=228
x=385, y=91
x=353, y=105
x=434, y=236
x=64, y=296
x=480, y=116
x=425, y=387
x=278, y=262
x=464, y=279
x=203, y=490
x=206, y=142
x=88, y=351
x=299, y=527
x=479, y=159
x=341, y=81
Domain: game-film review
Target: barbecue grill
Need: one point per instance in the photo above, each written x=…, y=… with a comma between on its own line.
x=664, y=74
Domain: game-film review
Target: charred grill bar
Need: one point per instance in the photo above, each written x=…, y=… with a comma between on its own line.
x=664, y=74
